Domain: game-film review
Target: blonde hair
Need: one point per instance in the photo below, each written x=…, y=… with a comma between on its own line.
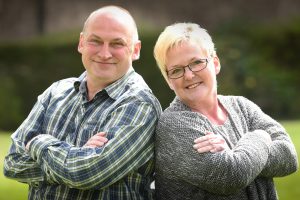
x=174, y=35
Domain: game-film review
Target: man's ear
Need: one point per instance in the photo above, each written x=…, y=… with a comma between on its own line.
x=136, y=50
x=80, y=43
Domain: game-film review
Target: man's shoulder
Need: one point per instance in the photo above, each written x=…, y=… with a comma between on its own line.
x=137, y=90
x=63, y=85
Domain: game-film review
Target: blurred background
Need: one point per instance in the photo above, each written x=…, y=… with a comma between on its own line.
x=258, y=43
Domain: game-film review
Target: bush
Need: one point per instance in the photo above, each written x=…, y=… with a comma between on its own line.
x=258, y=61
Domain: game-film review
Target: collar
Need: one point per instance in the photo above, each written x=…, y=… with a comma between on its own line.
x=114, y=90
x=117, y=88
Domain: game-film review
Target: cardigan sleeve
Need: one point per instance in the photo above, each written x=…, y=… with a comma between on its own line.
x=221, y=173
x=282, y=159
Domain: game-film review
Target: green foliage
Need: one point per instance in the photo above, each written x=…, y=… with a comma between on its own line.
x=146, y=66
x=26, y=71
x=258, y=61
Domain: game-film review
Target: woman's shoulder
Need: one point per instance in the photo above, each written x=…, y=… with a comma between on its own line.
x=178, y=116
x=233, y=101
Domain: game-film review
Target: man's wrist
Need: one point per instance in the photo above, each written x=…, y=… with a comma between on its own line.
x=28, y=144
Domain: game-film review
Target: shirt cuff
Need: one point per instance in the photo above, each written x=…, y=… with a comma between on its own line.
x=39, y=144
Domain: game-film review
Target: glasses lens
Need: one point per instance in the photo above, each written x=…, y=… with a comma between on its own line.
x=176, y=72
x=198, y=65
x=195, y=66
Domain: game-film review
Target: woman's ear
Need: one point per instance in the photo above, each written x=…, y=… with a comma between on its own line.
x=217, y=64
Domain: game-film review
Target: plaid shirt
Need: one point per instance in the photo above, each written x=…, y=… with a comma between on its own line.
x=57, y=166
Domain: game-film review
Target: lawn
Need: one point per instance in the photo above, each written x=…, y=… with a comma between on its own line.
x=287, y=187
x=9, y=189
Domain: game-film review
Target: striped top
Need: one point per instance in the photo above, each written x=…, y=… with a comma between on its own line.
x=57, y=166
x=244, y=172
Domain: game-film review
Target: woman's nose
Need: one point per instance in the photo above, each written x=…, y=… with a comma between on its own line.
x=188, y=74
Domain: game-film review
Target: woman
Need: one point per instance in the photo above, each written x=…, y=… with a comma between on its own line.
x=210, y=146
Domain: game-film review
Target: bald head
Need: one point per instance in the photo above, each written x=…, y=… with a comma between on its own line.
x=115, y=13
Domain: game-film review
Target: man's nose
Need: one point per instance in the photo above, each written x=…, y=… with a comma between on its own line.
x=104, y=51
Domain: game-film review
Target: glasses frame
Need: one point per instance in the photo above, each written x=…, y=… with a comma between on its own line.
x=206, y=60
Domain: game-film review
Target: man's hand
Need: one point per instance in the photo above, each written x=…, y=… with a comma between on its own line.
x=210, y=143
x=28, y=144
x=97, y=140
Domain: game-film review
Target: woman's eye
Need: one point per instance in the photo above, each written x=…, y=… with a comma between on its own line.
x=176, y=71
x=197, y=62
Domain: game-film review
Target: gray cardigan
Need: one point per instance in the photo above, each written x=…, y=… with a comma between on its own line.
x=245, y=171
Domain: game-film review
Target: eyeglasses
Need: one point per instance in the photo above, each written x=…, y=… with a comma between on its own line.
x=194, y=66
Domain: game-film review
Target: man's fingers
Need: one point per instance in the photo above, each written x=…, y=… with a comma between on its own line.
x=103, y=134
x=100, y=138
x=97, y=140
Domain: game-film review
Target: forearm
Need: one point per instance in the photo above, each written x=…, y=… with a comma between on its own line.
x=231, y=170
x=222, y=173
x=282, y=159
x=18, y=165
x=88, y=168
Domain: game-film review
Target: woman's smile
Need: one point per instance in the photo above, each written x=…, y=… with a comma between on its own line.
x=194, y=85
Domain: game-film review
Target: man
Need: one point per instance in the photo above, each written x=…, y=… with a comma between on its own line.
x=91, y=137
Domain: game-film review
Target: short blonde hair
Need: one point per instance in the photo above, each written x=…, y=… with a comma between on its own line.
x=174, y=35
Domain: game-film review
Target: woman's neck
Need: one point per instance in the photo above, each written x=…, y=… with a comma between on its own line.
x=212, y=109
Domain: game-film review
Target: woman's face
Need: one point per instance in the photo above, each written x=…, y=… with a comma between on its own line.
x=193, y=86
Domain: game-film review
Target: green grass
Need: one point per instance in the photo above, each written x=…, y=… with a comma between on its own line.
x=9, y=189
x=287, y=187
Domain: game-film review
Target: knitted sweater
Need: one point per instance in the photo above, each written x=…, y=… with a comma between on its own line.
x=244, y=172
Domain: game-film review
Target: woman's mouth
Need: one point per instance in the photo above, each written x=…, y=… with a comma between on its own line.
x=193, y=85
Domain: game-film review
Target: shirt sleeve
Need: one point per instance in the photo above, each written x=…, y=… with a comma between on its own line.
x=222, y=173
x=132, y=125
x=18, y=164
x=282, y=159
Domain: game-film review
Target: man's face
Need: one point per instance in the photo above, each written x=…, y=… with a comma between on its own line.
x=107, y=48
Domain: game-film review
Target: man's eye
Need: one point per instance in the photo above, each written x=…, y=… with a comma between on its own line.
x=94, y=42
x=117, y=44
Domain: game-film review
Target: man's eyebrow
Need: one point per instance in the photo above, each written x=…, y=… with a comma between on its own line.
x=113, y=40
x=94, y=36
x=118, y=40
